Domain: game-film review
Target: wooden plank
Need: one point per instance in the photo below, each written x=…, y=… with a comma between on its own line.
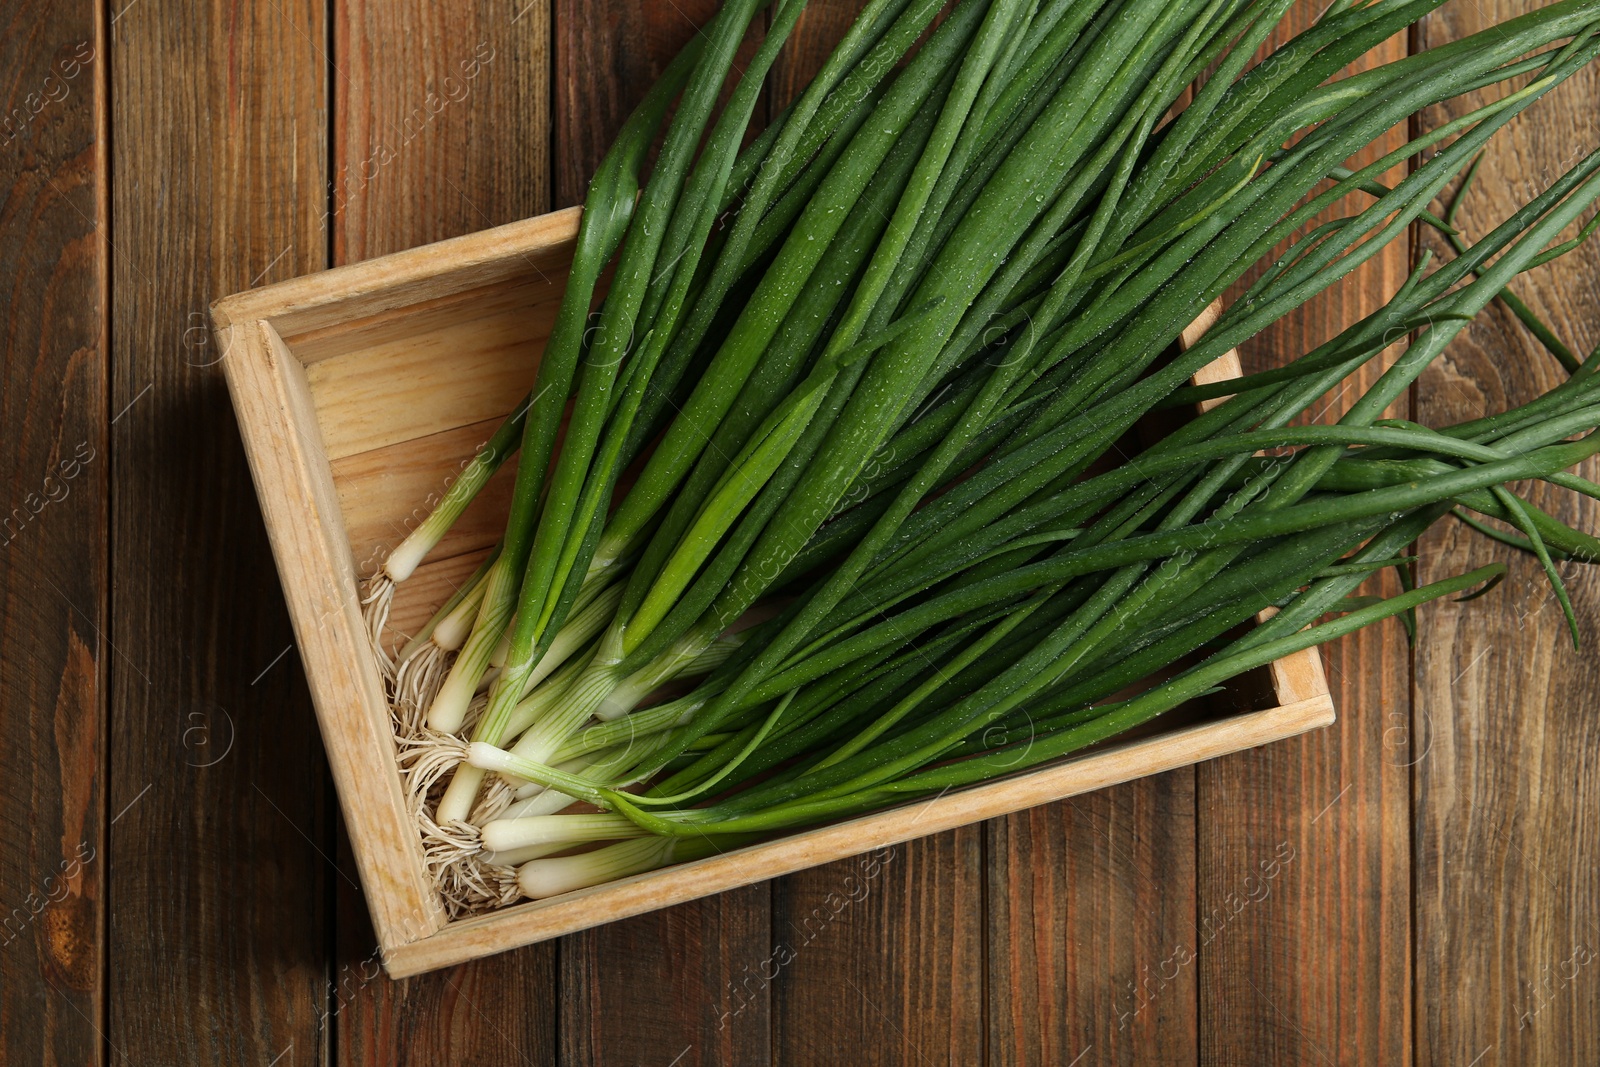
x=607, y=56
x=887, y=948
x=1506, y=780
x=880, y=958
x=300, y=508
x=441, y=129
x=370, y=301
x=420, y=470
x=485, y=385
x=490, y=1011
x=218, y=919
x=681, y=986
x=1091, y=928
x=53, y=570
x=1302, y=859
x=441, y=124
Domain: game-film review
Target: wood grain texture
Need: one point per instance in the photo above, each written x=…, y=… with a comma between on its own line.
x=1507, y=758
x=490, y=1011
x=220, y=855
x=888, y=947
x=299, y=505
x=426, y=467
x=1115, y=763
x=442, y=120
x=682, y=986
x=508, y=321
x=1092, y=936
x=440, y=130
x=53, y=570
x=1303, y=906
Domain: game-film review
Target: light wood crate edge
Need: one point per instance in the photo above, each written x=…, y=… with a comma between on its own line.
x=305, y=527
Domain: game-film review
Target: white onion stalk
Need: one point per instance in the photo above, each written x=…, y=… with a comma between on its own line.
x=580, y=629
x=487, y=644
x=599, y=694
x=518, y=856
x=454, y=628
x=415, y=675
x=624, y=695
x=502, y=835
x=594, y=607
x=557, y=711
x=410, y=553
x=450, y=624
x=479, y=655
x=488, y=758
x=449, y=707
x=531, y=798
x=534, y=706
x=562, y=874
x=542, y=801
x=613, y=765
x=715, y=655
x=465, y=781
x=497, y=658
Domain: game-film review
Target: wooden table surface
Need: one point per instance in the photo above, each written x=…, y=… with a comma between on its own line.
x=1417, y=884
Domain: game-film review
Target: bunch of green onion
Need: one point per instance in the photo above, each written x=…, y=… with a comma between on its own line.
x=875, y=370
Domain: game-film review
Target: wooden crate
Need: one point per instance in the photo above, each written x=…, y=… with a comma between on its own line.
x=360, y=392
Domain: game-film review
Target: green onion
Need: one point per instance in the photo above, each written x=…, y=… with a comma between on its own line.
x=885, y=409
